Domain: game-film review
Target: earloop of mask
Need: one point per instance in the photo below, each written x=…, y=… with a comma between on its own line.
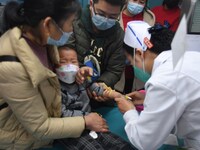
x=143, y=67
x=134, y=83
x=134, y=56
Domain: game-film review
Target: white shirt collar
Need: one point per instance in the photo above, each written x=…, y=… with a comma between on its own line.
x=161, y=58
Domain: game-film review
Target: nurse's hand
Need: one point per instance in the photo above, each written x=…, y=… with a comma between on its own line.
x=95, y=122
x=124, y=105
x=137, y=97
x=83, y=73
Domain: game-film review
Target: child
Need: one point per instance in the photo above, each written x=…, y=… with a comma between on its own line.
x=75, y=102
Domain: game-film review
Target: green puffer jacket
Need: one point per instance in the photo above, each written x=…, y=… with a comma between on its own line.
x=106, y=46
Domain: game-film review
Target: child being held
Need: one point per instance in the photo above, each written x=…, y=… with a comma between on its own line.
x=75, y=100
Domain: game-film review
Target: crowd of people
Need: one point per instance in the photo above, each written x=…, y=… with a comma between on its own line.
x=59, y=63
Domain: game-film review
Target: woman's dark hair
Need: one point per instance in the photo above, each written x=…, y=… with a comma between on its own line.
x=161, y=39
x=113, y=2
x=31, y=12
x=171, y=3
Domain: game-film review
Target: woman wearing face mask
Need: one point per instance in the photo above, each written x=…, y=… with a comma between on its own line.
x=136, y=10
x=168, y=14
x=30, y=99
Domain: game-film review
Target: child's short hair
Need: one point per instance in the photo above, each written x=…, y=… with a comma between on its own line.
x=65, y=47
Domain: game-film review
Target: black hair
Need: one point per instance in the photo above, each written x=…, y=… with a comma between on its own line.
x=171, y=3
x=65, y=47
x=128, y=49
x=161, y=40
x=114, y=2
x=31, y=12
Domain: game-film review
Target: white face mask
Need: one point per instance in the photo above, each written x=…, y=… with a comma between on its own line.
x=67, y=73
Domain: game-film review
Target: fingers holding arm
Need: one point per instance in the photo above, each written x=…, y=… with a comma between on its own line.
x=124, y=105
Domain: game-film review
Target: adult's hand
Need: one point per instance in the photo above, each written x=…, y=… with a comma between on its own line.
x=137, y=97
x=95, y=122
x=124, y=105
x=99, y=98
x=83, y=73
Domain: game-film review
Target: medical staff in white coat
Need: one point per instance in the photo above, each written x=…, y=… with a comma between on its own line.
x=172, y=100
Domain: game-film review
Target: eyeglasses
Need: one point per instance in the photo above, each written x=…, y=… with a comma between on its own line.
x=58, y=27
x=102, y=14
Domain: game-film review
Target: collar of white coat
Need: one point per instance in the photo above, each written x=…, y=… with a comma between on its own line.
x=161, y=58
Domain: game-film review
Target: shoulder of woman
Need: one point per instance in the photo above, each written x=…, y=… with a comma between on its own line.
x=149, y=17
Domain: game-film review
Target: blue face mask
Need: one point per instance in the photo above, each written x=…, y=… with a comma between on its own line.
x=102, y=23
x=141, y=74
x=134, y=8
x=62, y=41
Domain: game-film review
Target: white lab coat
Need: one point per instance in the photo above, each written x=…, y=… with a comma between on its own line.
x=172, y=99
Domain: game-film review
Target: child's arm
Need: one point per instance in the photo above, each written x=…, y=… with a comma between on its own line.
x=112, y=94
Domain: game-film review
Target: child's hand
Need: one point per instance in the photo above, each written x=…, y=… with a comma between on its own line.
x=83, y=73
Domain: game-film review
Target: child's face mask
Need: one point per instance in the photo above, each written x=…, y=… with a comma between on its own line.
x=67, y=73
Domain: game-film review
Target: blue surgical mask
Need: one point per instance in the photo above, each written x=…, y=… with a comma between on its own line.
x=134, y=8
x=62, y=41
x=102, y=23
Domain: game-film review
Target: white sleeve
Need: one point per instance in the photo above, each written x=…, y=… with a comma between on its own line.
x=149, y=130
